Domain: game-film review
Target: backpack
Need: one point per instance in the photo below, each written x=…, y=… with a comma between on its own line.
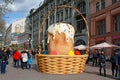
x=4, y=56
x=102, y=58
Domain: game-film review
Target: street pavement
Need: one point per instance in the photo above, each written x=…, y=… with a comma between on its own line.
x=90, y=73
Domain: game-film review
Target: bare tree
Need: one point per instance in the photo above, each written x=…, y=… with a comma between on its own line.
x=3, y=6
x=2, y=26
x=3, y=9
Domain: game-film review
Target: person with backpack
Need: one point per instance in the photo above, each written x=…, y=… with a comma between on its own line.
x=118, y=64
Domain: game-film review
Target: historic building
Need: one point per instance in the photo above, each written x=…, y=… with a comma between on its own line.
x=105, y=22
x=59, y=15
x=7, y=36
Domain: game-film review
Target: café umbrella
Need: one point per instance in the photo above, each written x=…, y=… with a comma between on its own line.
x=104, y=45
x=80, y=47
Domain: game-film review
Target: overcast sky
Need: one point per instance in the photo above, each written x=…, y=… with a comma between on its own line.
x=20, y=9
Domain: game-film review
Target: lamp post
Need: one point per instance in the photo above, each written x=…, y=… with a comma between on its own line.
x=30, y=43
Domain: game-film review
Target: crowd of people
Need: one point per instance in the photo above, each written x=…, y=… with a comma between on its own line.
x=21, y=58
x=24, y=59
x=99, y=59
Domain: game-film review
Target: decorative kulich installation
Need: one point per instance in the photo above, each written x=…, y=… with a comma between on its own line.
x=58, y=62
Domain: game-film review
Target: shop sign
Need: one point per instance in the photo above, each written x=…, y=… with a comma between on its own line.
x=115, y=37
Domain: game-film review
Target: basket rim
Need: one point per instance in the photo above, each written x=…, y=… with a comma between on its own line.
x=42, y=55
x=63, y=6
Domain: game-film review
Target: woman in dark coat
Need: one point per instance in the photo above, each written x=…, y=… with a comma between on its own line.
x=4, y=60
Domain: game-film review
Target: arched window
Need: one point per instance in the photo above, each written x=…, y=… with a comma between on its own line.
x=79, y=42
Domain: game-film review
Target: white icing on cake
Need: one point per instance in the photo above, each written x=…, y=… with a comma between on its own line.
x=62, y=27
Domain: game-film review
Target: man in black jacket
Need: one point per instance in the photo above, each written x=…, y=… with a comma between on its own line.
x=102, y=62
x=113, y=62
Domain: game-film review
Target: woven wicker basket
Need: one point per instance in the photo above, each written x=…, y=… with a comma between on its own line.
x=61, y=64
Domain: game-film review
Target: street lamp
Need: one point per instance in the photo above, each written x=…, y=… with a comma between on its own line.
x=30, y=43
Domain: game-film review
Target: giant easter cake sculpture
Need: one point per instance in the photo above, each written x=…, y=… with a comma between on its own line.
x=61, y=57
x=60, y=38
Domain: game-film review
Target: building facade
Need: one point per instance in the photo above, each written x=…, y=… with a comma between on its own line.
x=24, y=39
x=7, y=36
x=105, y=22
x=66, y=15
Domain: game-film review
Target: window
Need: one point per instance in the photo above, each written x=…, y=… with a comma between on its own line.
x=114, y=1
x=97, y=6
x=64, y=1
x=70, y=12
x=116, y=23
x=51, y=19
x=66, y=13
x=46, y=24
x=79, y=42
x=102, y=4
x=61, y=18
x=82, y=6
x=101, y=27
x=80, y=26
x=58, y=17
x=58, y=2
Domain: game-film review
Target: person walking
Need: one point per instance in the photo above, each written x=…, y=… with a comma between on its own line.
x=16, y=58
x=4, y=60
x=118, y=64
x=113, y=63
x=8, y=52
x=29, y=62
x=24, y=59
x=102, y=62
x=95, y=58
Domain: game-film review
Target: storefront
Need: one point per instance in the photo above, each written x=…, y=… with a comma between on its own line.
x=116, y=39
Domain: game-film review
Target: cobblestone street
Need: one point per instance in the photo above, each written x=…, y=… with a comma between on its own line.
x=90, y=73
